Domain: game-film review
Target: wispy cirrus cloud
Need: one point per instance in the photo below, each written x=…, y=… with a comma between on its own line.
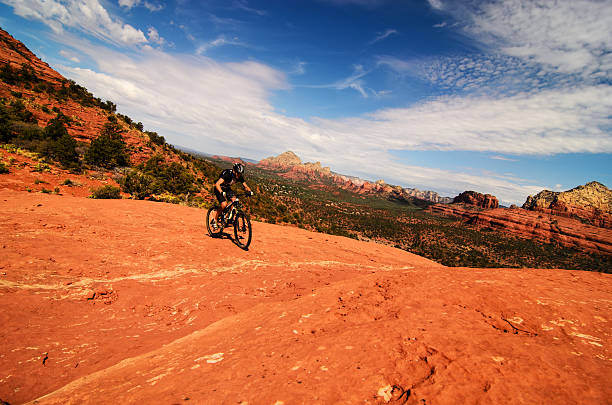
x=382, y=36
x=87, y=16
x=221, y=40
x=243, y=5
x=70, y=56
x=299, y=68
x=363, y=3
x=354, y=81
x=504, y=158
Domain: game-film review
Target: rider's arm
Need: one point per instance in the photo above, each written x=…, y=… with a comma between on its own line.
x=246, y=187
x=218, y=185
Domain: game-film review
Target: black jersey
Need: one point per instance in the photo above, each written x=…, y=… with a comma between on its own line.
x=228, y=179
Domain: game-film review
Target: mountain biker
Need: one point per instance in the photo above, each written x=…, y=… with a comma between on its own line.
x=223, y=187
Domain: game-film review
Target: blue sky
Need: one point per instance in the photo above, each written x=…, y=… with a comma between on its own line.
x=502, y=97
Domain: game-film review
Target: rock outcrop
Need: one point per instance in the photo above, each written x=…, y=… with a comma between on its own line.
x=477, y=199
x=283, y=161
x=546, y=227
x=292, y=167
x=591, y=202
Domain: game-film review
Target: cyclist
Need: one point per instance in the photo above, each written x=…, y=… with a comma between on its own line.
x=223, y=187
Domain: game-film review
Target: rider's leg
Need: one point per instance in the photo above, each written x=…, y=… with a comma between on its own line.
x=218, y=212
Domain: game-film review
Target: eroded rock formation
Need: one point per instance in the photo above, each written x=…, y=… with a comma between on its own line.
x=591, y=202
x=567, y=231
x=477, y=199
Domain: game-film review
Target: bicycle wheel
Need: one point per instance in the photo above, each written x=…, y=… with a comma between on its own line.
x=242, y=230
x=210, y=216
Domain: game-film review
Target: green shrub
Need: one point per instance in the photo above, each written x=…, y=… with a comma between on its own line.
x=158, y=177
x=42, y=167
x=106, y=192
x=108, y=150
x=139, y=185
x=167, y=198
x=3, y=168
x=56, y=127
x=155, y=138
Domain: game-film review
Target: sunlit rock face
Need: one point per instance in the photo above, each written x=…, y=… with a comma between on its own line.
x=591, y=202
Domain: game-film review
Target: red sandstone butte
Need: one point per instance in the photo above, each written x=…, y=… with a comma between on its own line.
x=123, y=301
x=477, y=199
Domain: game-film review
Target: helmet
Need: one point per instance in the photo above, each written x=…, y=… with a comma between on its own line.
x=239, y=168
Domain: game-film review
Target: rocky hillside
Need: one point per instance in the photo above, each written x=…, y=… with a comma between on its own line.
x=591, y=202
x=142, y=307
x=290, y=166
x=57, y=137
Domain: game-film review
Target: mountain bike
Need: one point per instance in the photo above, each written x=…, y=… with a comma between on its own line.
x=231, y=215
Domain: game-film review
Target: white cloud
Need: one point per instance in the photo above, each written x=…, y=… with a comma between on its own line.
x=436, y=4
x=506, y=159
x=154, y=36
x=573, y=36
x=382, y=36
x=153, y=7
x=70, y=56
x=299, y=68
x=242, y=5
x=86, y=15
x=354, y=82
x=215, y=43
x=129, y=3
x=364, y=3
x=224, y=108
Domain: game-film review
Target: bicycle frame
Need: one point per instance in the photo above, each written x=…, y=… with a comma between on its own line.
x=230, y=211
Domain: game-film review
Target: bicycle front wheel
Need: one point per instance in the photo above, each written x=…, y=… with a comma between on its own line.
x=242, y=230
x=210, y=216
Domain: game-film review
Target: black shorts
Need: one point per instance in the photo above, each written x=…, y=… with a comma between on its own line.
x=229, y=193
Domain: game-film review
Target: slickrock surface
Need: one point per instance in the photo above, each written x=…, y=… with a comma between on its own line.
x=130, y=301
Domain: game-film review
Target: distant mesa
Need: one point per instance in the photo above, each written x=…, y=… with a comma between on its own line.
x=292, y=167
x=477, y=199
x=591, y=203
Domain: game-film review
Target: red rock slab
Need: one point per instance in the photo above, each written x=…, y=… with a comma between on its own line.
x=85, y=284
x=423, y=335
x=129, y=301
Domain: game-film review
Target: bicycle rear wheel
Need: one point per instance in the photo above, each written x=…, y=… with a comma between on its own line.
x=210, y=216
x=242, y=230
